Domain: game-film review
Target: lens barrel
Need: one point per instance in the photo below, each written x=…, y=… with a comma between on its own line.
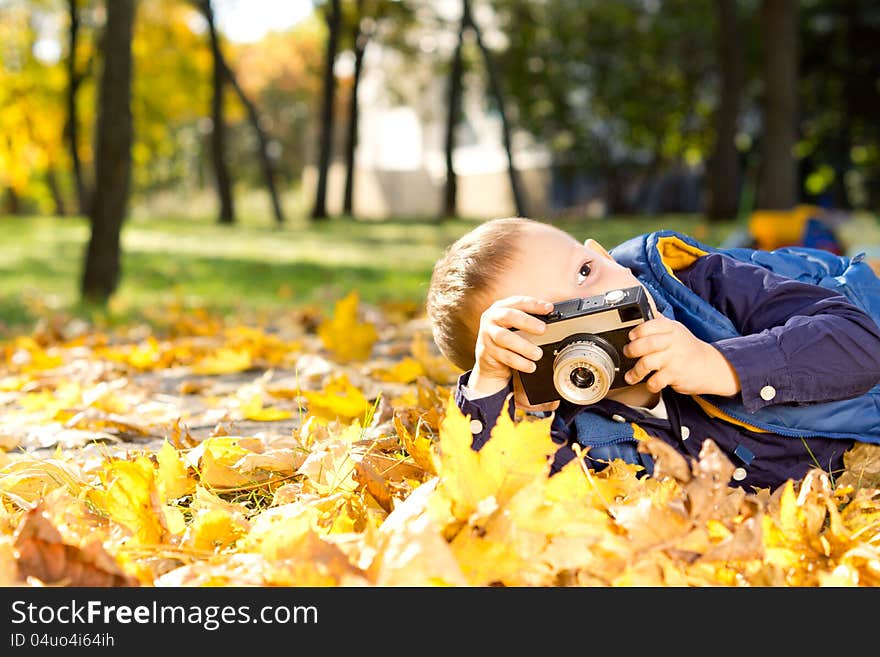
x=583, y=371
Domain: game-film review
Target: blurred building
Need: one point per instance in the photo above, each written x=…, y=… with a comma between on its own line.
x=400, y=168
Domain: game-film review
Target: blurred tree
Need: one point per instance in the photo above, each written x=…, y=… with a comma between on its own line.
x=227, y=75
x=498, y=96
x=777, y=183
x=333, y=17
x=31, y=106
x=840, y=102
x=620, y=92
x=723, y=169
x=171, y=99
x=282, y=73
x=75, y=77
x=468, y=25
x=362, y=28
x=112, y=155
x=453, y=116
x=222, y=178
x=366, y=18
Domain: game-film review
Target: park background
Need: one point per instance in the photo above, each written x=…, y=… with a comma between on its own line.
x=219, y=220
x=272, y=152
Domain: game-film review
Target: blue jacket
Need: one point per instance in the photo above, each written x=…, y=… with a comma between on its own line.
x=808, y=360
x=654, y=258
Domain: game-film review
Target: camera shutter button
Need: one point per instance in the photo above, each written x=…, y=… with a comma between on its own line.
x=613, y=296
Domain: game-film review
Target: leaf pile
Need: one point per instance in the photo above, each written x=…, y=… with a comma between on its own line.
x=327, y=451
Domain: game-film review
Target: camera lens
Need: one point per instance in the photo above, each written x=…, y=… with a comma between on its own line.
x=581, y=377
x=583, y=371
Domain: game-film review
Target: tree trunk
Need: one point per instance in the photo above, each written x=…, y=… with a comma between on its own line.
x=495, y=90
x=724, y=174
x=218, y=123
x=55, y=191
x=453, y=114
x=361, y=39
x=777, y=185
x=266, y=166
x=325, y=145
x=13, y=202
x=71, y=131
x=112, y=154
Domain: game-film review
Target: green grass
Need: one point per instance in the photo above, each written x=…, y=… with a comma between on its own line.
x=251, y=266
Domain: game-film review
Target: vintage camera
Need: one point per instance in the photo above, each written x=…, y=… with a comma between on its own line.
x=583, y=346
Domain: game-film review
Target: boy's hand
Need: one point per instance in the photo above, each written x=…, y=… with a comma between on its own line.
x=499, y=350
x=678, y=359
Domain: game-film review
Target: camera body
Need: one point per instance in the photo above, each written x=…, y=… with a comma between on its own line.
x=583, y=346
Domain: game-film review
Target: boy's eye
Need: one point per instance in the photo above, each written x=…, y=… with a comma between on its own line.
x=583, y=272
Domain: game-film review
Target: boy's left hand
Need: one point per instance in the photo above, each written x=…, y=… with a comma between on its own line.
x=678, y=359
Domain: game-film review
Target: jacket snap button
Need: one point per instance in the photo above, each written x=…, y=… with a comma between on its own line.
x=476, y=426
x=768, y=393
x=685, y=432
x=618, y=418
x=739, y=474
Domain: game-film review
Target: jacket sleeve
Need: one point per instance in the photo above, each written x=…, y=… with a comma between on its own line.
x=800, y=343
x=483, y=411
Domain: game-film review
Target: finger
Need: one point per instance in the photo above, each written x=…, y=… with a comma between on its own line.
x=647, y=345
x=644, y=366
x=526, y=303
x=515, y=343
x=513, y=360
x=657, y=381
x=514, y=318
x=651, y=327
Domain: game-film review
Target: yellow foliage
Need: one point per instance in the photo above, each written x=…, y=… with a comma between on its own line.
x=338, y=400
x=514, y=455
x=130, y=498
x=223, y=361
x=364, y=491
x=347, y=338
x=172, y=476
x=253, y=409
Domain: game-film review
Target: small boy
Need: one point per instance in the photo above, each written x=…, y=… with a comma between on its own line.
x=782, y=374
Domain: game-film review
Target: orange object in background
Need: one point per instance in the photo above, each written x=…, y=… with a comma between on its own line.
x=772, y=229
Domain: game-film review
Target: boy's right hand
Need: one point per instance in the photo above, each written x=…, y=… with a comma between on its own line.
x=499, y=350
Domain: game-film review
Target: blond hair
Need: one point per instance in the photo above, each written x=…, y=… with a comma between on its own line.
x=461, y=283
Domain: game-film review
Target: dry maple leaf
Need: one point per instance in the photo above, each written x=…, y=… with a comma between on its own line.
x=347, y=338
x=42, y=554
x=130, y=497
x=514, y=455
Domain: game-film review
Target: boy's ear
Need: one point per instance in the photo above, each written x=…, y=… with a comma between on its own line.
x=590, y=243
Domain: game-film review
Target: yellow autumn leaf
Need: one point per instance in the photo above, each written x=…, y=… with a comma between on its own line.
x=175, y=521
x=27, y=479
x=406, y=370
x=131, y=499
x=438, y=368
x=277, y=528
x=514, y=455
x=253, y=409
x=224, y=360
x=338, y=399
x=172, y=476
x=420, y=447
x=213, y=529
x=219, y=456
x=344, y=335
x=145, y=356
